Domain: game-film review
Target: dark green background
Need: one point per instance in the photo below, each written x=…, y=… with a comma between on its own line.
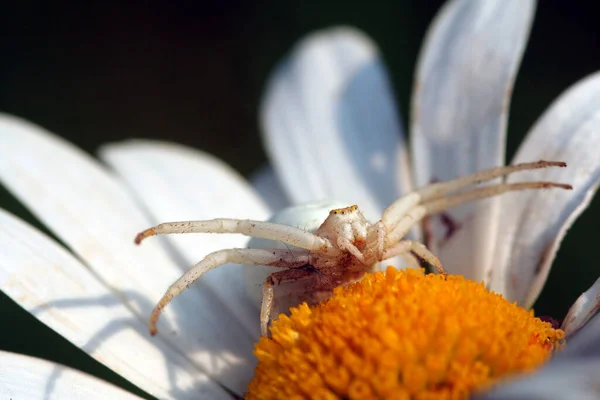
x=192, y=72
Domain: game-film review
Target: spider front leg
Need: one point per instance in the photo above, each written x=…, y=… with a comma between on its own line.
x=270, y=257
x=268, y=299
x=419, y=249
x=260, y=229
x=417, y=213
x=409, y=209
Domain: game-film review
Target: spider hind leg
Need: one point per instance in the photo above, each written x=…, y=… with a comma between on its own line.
x=272, y=257
x=276, y=278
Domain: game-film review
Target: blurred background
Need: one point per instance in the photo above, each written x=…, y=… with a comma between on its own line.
x=193, y=72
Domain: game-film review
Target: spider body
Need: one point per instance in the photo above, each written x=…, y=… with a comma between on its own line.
x=344, y=247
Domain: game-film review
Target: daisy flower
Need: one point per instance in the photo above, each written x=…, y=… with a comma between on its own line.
x=332, y=131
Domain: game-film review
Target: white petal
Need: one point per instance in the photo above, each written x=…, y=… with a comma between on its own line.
x=93, y=214
x=51, y=284
x=267, y=184
x=464, y=79
x=331, y=125
x=176, y=183
x=584, y=342
x=23, y=378
x=584, y=308
x=568, y=379
x=534, y=222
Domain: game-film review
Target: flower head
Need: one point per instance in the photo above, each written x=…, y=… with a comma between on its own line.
x=374, y=339
x=332, y=130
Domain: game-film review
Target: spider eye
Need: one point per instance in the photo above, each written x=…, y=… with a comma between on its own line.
x=344, y=210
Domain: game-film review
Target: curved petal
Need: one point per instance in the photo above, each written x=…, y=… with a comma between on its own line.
x=330, y=124
x=265, y=182
x=585, y=342
x=176, y=183
x=55, y=287
x=93, y=214
x=534, y=222
x=569, y=379
x=463, y=83
x=28, y=378
x=585, y=307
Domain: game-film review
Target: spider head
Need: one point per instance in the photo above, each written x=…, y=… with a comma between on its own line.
x=348, y=223
x=345, y=215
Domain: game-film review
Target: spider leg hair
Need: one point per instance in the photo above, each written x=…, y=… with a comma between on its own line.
x=268, y=299
x=439, y=189
x=261, y=229
x=270, y=257
x=418, y=248
x=434, y=206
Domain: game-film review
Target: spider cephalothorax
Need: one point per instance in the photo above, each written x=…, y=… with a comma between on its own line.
x=345, y=246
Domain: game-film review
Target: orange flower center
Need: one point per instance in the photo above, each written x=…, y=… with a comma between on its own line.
x=400, y=335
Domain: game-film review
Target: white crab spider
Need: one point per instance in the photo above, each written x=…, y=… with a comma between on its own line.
x=345, y=246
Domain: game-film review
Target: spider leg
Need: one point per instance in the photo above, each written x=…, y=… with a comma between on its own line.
x=419, y=249
x=436, y=190
x=431, y=207
x=380, y=231
x=268, y=300
x=439, y=189
x=261, y=229
x=375, y=244
x=347, y=245
x=270, y=257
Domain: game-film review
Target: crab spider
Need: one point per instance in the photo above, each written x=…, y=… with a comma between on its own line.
x=345, y=246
